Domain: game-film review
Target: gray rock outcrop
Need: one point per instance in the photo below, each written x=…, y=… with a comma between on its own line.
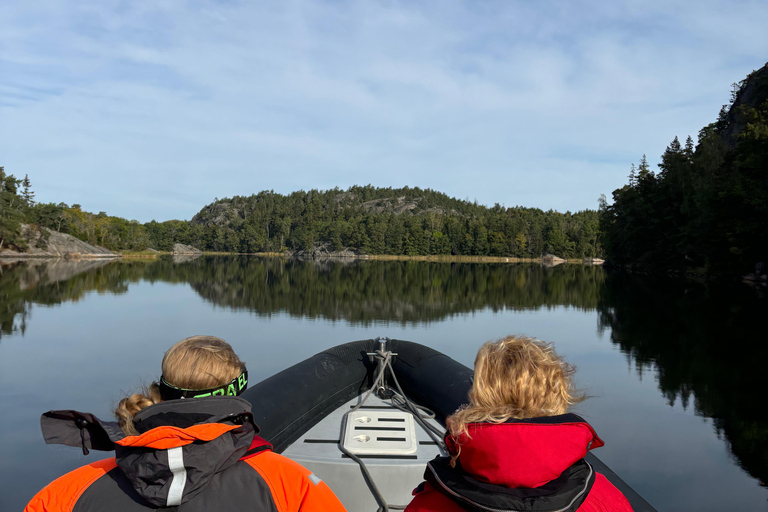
x=322, y=251
x=46, y=243
x=185, y=249
x=751, y=92
x=550, y=260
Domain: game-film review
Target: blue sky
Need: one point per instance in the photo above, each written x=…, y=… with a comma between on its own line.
x=150, y=110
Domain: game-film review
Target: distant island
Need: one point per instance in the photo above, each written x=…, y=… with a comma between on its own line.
x=362, y=220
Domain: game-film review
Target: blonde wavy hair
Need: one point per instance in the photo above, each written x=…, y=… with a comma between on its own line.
x=515, y=378
x=198, y=362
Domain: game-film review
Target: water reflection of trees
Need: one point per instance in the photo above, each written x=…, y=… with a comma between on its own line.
x=46, y=282
x=706, y=341
x=404, y=291
x=361, y=291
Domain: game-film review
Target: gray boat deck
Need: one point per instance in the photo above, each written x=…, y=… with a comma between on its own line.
x=395, y=475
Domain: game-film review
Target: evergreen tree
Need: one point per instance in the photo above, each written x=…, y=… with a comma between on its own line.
x=644, y=172
x=26, y=191
x=11, y=214
x=688, y=151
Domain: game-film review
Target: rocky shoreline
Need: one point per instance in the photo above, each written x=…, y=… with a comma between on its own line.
x=46, y=243
x=323, y=252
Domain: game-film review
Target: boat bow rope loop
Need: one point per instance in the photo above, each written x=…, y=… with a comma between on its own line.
x=400, y=401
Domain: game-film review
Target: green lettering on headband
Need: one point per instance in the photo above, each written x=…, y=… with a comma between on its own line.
x=233, y=388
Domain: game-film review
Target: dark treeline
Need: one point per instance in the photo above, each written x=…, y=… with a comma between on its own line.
x=707, y=206
x=360, y=292
x=706, y=341
x=407, y=221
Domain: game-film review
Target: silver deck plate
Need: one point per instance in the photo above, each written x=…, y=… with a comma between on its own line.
x=380, y=432
x=395, y=474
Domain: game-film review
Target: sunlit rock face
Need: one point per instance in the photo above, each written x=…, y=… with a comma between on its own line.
x=186, y=249
x=43, y=242
x=751, y=93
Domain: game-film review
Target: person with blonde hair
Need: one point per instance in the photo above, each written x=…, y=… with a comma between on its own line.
x=515, y=446
x=188, y=440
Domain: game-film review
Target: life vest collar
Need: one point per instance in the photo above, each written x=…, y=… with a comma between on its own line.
x=566, y=493
x=525, y=453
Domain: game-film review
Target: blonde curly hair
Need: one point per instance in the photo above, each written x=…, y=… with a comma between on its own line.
x=197, y=362
x=515, y=377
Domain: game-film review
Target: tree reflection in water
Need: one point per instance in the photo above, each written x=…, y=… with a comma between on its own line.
x=359, y=291
x=707, y=343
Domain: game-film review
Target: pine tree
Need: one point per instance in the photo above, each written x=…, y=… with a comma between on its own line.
x=26, y=191
x=671, y=160
x=11, y=215
x=8, y=182
x=689, y=148
x=722, y=119
x=632, y=176
x=644, y=170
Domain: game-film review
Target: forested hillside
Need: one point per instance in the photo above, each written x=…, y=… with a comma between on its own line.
x=369, y=220
x=707, y=206
x=406, y=221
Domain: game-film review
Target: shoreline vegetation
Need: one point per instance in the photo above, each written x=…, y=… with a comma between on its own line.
x=151, y=255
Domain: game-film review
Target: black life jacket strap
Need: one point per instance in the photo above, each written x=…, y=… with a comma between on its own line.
x=566, y=493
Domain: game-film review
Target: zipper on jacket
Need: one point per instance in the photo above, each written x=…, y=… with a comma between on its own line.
x=474, y=504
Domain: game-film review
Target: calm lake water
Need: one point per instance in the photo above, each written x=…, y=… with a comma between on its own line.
x=675, y=369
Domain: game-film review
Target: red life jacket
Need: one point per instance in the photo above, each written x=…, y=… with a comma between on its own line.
x=531, y=464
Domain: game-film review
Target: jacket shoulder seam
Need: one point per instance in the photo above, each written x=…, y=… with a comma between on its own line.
x=81, y=479
x=108, y=465
x=254, y=463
